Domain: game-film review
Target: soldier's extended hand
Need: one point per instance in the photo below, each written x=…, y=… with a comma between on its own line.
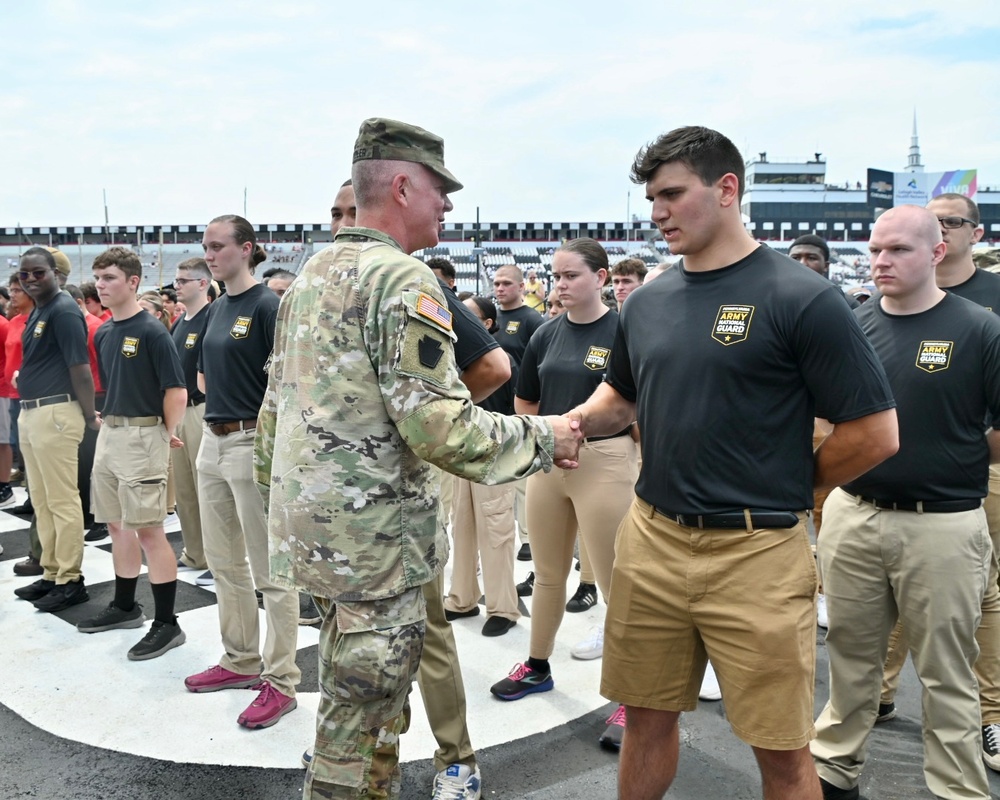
x=568, y=436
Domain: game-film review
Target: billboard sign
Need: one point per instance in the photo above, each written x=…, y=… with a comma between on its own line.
x=880, y=188
x=919, y=188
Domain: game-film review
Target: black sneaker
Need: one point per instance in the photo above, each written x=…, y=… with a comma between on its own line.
x=527, y=586
x=991, y=746
x=524, y=554
x=26, y=509
x=6, y=496
x=831, y=792
x=886, y=711
x=160, y=638
x=35, y=591
x=521, y=681
x=585, y=597
x=111, y=618
x=64, y=596
x=98, y=531
x=308, y=613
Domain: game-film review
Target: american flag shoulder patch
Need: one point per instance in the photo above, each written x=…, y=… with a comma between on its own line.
x=428, y=307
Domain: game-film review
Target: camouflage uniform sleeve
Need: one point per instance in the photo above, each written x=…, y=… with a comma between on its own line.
x=408, y=329
x=267, y=418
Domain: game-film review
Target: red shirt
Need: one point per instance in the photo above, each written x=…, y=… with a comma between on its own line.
x=5, y=387
x=12, y=354
x=93, y=323
x=105, y=316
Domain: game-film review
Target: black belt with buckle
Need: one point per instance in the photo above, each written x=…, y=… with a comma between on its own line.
x=734, y=520
x=921, y=506
x=46, y=401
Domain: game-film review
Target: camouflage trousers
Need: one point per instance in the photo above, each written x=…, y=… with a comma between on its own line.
x=368, y=657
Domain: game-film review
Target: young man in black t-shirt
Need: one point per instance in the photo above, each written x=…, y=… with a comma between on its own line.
x=957, y=273
x=724, y=360
x=144, y=403
x=192, y=281
x=57, y=402
x=909, y=538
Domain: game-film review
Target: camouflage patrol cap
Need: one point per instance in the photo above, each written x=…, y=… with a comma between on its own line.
x=987, y=258
x=381, y=139
x=63, y=264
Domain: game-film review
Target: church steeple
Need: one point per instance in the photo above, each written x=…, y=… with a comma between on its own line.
x=913, y=159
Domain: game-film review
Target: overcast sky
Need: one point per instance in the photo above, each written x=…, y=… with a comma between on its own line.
x=542, y=105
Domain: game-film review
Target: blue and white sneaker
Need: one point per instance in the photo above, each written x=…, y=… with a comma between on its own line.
x=457, y=782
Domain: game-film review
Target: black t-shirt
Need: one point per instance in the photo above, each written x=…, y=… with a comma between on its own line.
x=138, y=362
x=565, y=362
x=983, y=289
x=728, y=368
x=187, y=336
x=472, y=339
x=944, y=368
x=502, y=400
x=54, y=339
x=515, y=329
x=236, y=344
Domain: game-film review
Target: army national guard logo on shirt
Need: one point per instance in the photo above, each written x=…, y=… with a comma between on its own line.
x=597, y=358
x=241, y=328
x=39, y=327
x=130, y=346
x=934, y=356
x=190, y=340
x=732, y=325
x=512, y=327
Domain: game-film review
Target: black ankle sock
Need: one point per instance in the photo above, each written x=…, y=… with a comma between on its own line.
x=540, y=665
x=164, y=595
x=125, y=592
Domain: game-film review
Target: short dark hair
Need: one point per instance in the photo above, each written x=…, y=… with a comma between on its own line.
x=443, y=264
x=127, y=261
x=89, y=291
x=73, y=291
x=707, y=153
x=280, y=273
x=44, y=253
x=813, y=240
x=169, y=292
x=4, y=293
x=630, y=266
x=971, y=209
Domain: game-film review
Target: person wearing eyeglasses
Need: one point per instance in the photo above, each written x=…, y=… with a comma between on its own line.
x=958, y=217
x=191, y=285
x=57, y=403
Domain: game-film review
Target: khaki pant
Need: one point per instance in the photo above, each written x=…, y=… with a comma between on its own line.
x=931, y=571
x=50, y=439
x=185, y=463
x=235, y=532
x=592, y=498
x=743, y=598
x=521, y=509
x=484, y=532
x=441, y=686
x=987, y=667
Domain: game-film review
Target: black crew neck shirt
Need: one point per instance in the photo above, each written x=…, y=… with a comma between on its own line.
x=138, y=363
x=944, y=368
x=728, y=368
x=515, y=329
x=187, y=336
x=54, y=339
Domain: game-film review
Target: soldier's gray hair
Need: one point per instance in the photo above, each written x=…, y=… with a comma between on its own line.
x=372, y=179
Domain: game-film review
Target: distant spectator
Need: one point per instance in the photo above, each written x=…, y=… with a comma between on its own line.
x=279, y=281
x=534, y=292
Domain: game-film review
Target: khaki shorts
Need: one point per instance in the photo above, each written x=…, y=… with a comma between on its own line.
x=129, y=483
x=745, y=599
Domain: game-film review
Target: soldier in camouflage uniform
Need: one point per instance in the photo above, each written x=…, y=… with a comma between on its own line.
x=363, y=405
